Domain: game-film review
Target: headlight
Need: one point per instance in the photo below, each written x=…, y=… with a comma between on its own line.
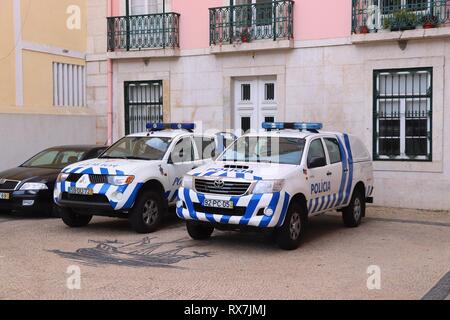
x=188, y=182
x=120, y=180
x=62, y=177
x=268, y=186
x=31, y=186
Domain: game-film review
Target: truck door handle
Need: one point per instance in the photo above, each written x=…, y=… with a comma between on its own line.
x=329, y=174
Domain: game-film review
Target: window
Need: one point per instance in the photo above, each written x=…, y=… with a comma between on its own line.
x=143, y=105
x=183, y=151
x=245, y=124
x=269, y=91
x=246, y=92
x=206, y=147
x=391, y=6
x=54, y=159
x=138, y=148
x=403, y=114
x=333, y=150
x=143, y=7
x=69, y=82
x=316, y=150
x=266, y=150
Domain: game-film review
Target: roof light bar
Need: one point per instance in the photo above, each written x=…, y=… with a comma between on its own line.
x=292, y=125
x=173, y=126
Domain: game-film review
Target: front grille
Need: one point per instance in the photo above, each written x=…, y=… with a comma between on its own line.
x=236, y=167
x=96, y=198
x=237, y=211
x=94, y=178
x=98, y=178
x=229, y=187
x=9, y=185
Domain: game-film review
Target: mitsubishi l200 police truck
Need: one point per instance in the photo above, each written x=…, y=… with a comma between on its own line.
x=278, y=179
x=136, y=178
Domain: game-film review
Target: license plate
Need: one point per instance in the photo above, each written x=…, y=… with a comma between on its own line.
x=221, y=204
x=4, y=196
x=81, y=191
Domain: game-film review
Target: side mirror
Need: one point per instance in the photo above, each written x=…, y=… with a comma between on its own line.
x=317, y=163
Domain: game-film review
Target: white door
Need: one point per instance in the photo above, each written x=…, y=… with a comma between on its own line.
x=255, y=102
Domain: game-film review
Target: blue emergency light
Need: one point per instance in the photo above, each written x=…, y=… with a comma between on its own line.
x=307, y=126
x=173, y=126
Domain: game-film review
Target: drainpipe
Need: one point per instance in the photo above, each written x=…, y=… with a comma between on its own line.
x=110, y=85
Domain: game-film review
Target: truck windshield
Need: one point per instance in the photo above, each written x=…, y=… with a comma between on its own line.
x=278, y=150
x=138, y=148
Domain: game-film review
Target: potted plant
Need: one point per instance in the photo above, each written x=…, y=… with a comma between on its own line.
x=363, y=29
x=245, y=36
x=429, y=21
x=403, y=20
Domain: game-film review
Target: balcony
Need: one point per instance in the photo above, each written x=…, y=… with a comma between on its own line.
x=140, y=32
x=241, y=25
x=382, y=16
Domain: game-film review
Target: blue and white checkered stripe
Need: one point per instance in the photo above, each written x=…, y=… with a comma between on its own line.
x=129, y=192
x=342, y=198
x=278, y=202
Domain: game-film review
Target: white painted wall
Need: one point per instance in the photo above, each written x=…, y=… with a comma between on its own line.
x=24, y=135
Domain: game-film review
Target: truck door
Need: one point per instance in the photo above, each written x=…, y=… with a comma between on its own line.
x=334, y=172
x=318, y=177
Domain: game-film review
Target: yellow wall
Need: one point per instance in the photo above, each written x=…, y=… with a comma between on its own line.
x=38, y=77
x=7, y=54
x=45, y=22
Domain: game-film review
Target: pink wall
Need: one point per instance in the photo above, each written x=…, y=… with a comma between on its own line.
x=194, y=23
x=313, y=19
x=322, y=19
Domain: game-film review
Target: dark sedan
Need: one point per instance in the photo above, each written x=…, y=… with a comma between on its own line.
x=29, y=187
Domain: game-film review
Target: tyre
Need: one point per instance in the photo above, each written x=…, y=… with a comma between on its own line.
x=147, y=213
x=199, y=231
x=352, y=215
x=289, y=236
x=73, y=219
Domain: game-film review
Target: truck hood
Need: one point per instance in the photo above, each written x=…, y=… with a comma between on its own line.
x=111, y=166
x=245, y=170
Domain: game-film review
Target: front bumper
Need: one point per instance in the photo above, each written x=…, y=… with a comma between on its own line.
x=249, y=210
x=105, y=196
x=26, y=201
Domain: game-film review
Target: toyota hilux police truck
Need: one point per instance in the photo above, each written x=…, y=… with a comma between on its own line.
x=278, y=179
x=136, y=178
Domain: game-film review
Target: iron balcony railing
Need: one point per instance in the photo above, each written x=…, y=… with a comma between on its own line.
x=394, y=15
x=245, y=23
x=151, y=31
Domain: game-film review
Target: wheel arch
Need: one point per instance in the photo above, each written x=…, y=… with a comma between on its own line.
x=300, y=199
x=157, y=186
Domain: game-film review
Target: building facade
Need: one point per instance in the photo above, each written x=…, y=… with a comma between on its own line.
x=42, y=77
x=378, y=69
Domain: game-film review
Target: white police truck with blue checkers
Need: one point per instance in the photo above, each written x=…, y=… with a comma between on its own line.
x=136, y=178
x=277, y=180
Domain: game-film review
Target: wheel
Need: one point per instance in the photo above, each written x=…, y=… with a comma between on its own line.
x=147, y=213
x=289, y=236
x=352, y=215
x=199, y=231
x=73, y=219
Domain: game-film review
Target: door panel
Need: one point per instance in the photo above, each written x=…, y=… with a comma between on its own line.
x=255, y=102
x=334, y=172
x=319, y=180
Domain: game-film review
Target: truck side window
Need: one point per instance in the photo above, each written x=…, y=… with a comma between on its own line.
x=206, y=147
x=333, y=150
x=316, y=155
x=183, y=151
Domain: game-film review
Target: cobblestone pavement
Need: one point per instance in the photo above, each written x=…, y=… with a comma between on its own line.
x=410, y=248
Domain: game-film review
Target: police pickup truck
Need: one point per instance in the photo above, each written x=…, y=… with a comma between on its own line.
x=136, y=178
x=278, y=179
